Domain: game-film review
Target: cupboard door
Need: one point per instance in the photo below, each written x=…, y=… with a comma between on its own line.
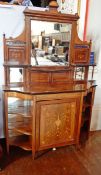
x=56, y=122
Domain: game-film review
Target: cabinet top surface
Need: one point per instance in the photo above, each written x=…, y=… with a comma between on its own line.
x=51, y=88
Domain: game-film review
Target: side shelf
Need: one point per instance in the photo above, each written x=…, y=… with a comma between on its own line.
x=19, y=122
x=11, y=69
x=86, y=114
x=21, y=141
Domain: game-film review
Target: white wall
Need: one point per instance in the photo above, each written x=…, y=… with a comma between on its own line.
x=82, y=19
x=12, y=24
x=94, y=33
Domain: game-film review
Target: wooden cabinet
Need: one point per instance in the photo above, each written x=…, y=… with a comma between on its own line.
x=52, y=105
x=38, y=122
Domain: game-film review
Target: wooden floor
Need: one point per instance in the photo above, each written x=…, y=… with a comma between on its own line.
x=63, y=161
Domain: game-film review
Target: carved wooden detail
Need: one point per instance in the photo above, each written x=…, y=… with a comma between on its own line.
x=81, y=56
x=16, y=54
x=15, y=51
x=82, y=53
x=53, y=6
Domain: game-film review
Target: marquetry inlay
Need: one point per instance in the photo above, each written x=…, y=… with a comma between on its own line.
x=57, y=123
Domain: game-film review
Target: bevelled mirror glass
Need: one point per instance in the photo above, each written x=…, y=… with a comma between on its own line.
x=50, y=42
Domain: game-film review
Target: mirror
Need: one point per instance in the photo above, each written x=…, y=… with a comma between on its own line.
x=14, y=72
x=50, y=42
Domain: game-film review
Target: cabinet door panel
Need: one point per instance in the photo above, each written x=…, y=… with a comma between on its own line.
x=57, y=120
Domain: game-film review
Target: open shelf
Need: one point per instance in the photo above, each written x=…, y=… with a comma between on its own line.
x=21, y=141
x=27, y=130
x=15, y=120
x=88, y=99
x=85, y=127
x=18, y=116
x=20, y=107
x=86, y=115
x=20, y=122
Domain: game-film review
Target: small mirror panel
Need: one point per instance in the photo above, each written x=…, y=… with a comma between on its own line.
x=18, y=73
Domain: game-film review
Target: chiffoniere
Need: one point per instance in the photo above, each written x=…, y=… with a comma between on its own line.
x=48, y=96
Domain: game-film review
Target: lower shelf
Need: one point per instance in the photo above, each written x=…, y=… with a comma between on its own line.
x=24, y=130
x=22, y=141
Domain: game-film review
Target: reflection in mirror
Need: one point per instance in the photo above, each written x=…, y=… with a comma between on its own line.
x=79, y=73
x=50, y=43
